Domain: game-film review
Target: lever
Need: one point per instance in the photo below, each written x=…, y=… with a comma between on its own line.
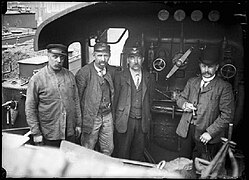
x=180, y=61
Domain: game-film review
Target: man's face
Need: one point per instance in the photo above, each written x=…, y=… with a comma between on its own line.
x=208, y=71
x=101, y=59
x=135, y=62
x=56, y=61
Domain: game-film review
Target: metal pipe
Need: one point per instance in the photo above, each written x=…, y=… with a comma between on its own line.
x=219, y=164
x=230, y=130
x=235, y=166
x=215, y=160
x=127, y=161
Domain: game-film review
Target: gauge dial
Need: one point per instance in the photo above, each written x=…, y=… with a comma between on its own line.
x=179, y=15
x=196, y=15
x=214, y=15
x=163, y=15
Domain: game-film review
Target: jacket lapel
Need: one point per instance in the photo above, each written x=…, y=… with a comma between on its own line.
x=145, y=81
x=197, y=84
x=127, y=76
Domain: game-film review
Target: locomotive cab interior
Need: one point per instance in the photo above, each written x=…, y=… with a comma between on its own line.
x=171, y=35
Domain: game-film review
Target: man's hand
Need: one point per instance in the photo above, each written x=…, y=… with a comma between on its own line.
x=77, y=131
x=188, y=107
x=205, y=137
x=37, y=139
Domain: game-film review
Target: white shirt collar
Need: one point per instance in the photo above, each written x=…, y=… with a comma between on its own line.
x=208, y=79
x=134, y=74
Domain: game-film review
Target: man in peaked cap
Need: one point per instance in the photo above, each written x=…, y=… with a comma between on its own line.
x=57, y=49
x=132, y=107
x=96, y=93
x=208, y=105
x=51, y=120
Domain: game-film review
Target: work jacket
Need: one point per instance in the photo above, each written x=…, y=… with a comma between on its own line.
x=215, y=108
x=52, y=108
x=90, y=94
x=122, y=100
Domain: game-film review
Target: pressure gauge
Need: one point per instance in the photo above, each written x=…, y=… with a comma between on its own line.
x=196, y=15
x=163, y=15
x=214, y=15
x=179, y=15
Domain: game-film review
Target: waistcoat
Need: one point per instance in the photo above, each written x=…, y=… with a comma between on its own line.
x=105, y=103
x=136, y=101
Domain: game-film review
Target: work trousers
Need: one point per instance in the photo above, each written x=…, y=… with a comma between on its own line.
x=102, y=133
x=131, y=144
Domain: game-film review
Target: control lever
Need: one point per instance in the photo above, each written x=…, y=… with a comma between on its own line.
x=163, y=93
x=179, y=62
x=7, y=103
x=8, y=115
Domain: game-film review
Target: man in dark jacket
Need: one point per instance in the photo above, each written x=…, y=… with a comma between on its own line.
x=132, y=108
x=96, y=93
x=208, y=105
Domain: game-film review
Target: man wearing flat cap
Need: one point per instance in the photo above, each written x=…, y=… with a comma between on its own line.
x=208, y=105
x=132, y=102
x=96, y=93
x=52, y=104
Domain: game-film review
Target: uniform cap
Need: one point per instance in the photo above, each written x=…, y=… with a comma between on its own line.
x=101, y=47
x=210, y=55
x=137, y=51
x=57, y=49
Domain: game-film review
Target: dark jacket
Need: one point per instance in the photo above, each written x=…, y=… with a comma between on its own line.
x=214, y=111
x=122, y=100
x=90, y=94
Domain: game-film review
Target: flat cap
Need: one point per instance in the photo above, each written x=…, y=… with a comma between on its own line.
x=137, y=51
x=210, y=55
x=57, y=49
x=101, y=47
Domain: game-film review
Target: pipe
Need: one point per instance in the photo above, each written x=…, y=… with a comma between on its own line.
x=219, y=164
x=215, y=160
x=235, y=166
x=127, y=161
x=230, y=130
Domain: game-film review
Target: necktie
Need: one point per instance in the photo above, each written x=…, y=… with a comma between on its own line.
x=137, y=80
x=204, y=84
x=101, y=72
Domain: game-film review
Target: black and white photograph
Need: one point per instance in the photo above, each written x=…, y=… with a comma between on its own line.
x=124, y=89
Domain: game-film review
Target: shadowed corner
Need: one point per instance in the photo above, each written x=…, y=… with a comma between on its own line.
x=4, y=173
x=3, y=7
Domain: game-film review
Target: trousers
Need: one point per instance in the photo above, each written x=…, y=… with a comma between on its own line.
x=102, y=133
x=131, y=144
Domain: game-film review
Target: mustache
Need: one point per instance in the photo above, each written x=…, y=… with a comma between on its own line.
x=206, y=73
x=102, y=62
